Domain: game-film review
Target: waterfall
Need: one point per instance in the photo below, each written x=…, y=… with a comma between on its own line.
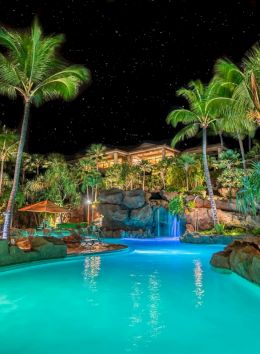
x=167, y=225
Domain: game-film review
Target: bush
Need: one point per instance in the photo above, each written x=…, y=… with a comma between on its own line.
x=176, y=205
x=72, y=225
x=219, y=228
x=256, y=231
x=231, y=178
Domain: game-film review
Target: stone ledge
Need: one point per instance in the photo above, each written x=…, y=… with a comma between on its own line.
x=41, y=249
x=195, y=237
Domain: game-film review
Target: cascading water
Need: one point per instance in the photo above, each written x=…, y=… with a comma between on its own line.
x=166, y=224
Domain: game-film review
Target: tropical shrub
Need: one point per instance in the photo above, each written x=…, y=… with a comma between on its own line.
x=231, y=178
x=248, y=197
x=219, y=228
x=177, y=205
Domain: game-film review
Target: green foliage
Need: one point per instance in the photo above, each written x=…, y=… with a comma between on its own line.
x=185, y=173
x=32, y=67
x=255, y=150
x=204, y=102
x=248, y=197
x=219, y=229
x=176, y=205
x=231, y=178
x=60, y=183
x=227, y=159
x=256, y=231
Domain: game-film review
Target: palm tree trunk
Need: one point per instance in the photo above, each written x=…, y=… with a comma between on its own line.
x=207, y=177
x=221, y=140
x=1, y=174
x=11, y=201
x=249, y=143
x=143, y=181
x=187, y=181
x=241, y=145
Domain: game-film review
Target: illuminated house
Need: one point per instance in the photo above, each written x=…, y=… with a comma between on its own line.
x=212, y=149
x=152, y=153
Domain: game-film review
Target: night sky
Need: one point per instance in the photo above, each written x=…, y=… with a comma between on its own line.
x=139, y=53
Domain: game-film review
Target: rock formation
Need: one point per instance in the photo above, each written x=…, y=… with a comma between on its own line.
x=41, y=248
x=242, y=257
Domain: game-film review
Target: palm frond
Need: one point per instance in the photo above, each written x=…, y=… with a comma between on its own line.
x=183, y=116
x=187, y=132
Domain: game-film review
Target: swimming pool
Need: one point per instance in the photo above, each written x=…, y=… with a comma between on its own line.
x=159, y=297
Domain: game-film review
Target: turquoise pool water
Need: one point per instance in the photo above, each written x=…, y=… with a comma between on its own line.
x=160, y=297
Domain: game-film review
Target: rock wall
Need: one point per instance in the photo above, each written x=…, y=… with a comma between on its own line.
x=242, y=257
x=41, y=249
x=199, y=217
x=136, y=212
x=126, y=211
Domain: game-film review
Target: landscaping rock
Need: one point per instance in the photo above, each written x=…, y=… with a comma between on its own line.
x=141, y=218
x=112, y=196
x=220, y=260
x=134, y=199
x=41, y=249
x=242, y=257
x=196, y=237
x=114, y=215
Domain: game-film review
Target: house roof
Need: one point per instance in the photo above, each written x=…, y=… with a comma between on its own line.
x=210, y=148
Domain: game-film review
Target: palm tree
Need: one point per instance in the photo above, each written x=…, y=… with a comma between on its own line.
x=145, y=168
x=30, y=67
x=96, y=152
x=248, y=92
x=202, y=113
x=187, y=161
x=161, y=169
x=38, y=161
x=8, y=148
x=234, y=120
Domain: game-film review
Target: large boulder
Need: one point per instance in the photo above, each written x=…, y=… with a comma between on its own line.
x=200, y=218
x=241, y=260
x=113, y=215
x=141, y=218
x=220, y=260
x=255, y=269
x=242, y=257
x=112, y=196
x=134, y=199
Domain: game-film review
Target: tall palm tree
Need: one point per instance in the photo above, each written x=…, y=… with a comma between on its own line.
x=235, y=120
x=248, y=92
x=8, y=149
x=202, y=113
x=30, y=67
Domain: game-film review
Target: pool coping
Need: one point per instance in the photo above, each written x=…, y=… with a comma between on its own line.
x=68, y=258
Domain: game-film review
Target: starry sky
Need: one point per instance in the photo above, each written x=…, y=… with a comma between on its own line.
x=139, y=53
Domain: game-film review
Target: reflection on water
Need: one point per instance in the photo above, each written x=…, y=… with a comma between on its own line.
x=145, y=320
x=154, y=303
x=92, y=268
x=198, y=281
x=7, y=305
